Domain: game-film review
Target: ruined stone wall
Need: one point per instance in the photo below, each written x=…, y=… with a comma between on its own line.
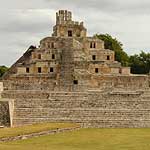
x=4, y=113
x=6, y=109
x=91, y=109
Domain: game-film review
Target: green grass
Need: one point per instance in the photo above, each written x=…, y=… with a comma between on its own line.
x=11, y=132
x=86, y=139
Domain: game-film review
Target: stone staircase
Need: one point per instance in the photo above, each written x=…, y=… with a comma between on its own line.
x=91, y=109
x=67, y=68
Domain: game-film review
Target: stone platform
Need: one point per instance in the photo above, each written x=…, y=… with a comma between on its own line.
x=91, y=108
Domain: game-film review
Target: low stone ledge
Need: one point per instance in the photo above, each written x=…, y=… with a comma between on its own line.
x=125, y=93
x=43, y=133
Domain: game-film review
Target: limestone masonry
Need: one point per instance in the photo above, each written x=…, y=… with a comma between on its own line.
x=71, y=77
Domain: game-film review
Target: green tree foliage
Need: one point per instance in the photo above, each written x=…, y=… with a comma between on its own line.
x=113, y=44
x=3, y=69
x=140, y=64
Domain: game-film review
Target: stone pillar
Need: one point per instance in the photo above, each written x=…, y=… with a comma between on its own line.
x=1, y=88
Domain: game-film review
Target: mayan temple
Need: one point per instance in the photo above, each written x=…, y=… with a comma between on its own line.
x=71, y=77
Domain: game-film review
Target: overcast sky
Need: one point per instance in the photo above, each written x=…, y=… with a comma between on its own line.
x=26, y=22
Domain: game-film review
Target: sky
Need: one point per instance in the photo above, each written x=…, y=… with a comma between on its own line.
x=26, y=22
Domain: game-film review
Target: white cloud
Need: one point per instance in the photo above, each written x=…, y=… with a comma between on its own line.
x=26, y=22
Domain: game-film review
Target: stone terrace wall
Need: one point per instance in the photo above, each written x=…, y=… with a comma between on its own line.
x=29, y=83
x=134, y=82
x=91, y=109
x=124, y=83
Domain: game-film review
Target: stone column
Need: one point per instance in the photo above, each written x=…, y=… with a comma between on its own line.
x=1, y=88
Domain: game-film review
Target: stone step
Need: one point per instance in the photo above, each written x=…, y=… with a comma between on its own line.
x=79, y=102
x=37, y=94
x=146, y=94
x=105, y=123
x=82, y=113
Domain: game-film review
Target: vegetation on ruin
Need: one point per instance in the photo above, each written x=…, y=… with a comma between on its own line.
x=86, y=139
x=3, y=69
x=139, y=63
x=12, y=132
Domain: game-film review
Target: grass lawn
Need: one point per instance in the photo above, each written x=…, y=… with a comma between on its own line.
x=86, y=139
x=11, y=132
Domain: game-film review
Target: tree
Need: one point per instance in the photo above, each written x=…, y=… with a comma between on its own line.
x=140, y=64
x=113, y=44
x=3, y=69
